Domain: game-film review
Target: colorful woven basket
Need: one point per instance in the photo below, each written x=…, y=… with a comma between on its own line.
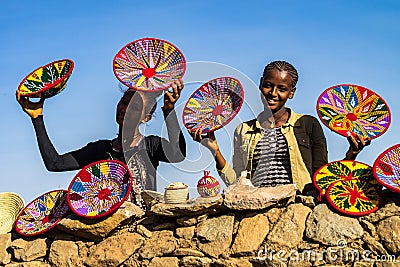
x=208, y=186
x=341, y=170
x=386, y=168
x=47, y=81
x=149, y=64
x=10, y=206
x=349, y=109
x=355, y=197
x=213, y=105
x=43, y=213
x=99, y=188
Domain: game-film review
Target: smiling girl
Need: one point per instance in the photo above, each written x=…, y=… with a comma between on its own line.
x=279, y=146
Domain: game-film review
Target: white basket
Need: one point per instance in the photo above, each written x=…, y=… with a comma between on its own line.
x=11, y=205
x=176, y=195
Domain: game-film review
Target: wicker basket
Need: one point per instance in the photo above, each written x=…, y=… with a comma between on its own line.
x=176, y=193
x=11, y=205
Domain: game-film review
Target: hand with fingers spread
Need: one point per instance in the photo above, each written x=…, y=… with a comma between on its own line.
x=356, y=145
x=170, y=98
x=33, y=109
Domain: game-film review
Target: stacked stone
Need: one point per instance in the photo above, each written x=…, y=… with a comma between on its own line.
x=213, y=232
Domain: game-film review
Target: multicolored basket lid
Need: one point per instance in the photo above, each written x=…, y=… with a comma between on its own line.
x=43, y=213
x=350, y=109
x=341, y=170
x=208, y=186
x=355, y=197
x=386, y=168
x=213, y=105
x=47, y=81
x=99, y=188
x=149, y=64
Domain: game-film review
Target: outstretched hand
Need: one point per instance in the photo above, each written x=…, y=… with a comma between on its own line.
x=357, y=144
x=170, y=98
x=33, y=109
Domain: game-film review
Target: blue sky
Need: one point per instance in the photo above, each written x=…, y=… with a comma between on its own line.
x=329, y=42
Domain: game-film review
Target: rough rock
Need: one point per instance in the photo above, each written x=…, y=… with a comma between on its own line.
x=274, y=214
x=369, y=227
x=187, y=252
x=215, y=235
x=191, y=261
x=5, y=242
x=387, y=264
x=97, y=229
x=308, y=201
x=164, y=262
x=161, y=243
x=329, y=228
x=143, y=231
x=184, y=243
x=152, y=197
x=307, y=246
x=190, y=221
x=247, y=197
x=266, y=261
x=115, y=249
x=373, y=245
x=289, y=230
x=28, y=264
x=134, y=261
x=252, y=231
x=29, y=250
x=389, y=233
x=195, y=206
x=299, y=263
x=390, y=209
x=363, y=264
x=185, y=232
x=64, y=253
x=165, y=226
x=232, y=263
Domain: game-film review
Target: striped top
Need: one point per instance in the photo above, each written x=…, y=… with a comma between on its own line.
x=271, y=160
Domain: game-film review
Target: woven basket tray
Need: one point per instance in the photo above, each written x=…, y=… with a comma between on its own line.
x=11, y=205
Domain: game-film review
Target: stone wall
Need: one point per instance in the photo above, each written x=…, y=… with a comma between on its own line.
x=207, y=232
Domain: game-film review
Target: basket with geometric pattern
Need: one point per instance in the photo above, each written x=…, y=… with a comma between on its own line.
x=43, y=213
x=386, y=168
x=47, y=81
x=149, y=64
x=99, y=188
x=349, y=109
x=213, y=105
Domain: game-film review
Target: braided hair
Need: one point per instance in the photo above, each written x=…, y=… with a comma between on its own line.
x=283, y=66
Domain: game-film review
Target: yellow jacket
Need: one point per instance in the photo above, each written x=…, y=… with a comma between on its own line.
x=248, y=134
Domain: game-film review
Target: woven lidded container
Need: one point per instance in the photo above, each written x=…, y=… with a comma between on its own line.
x=208, y=186
x=176, y=193
x=11, y=205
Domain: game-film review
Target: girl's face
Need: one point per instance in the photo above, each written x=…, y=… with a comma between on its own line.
x=134, y=111
x=276, y=88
